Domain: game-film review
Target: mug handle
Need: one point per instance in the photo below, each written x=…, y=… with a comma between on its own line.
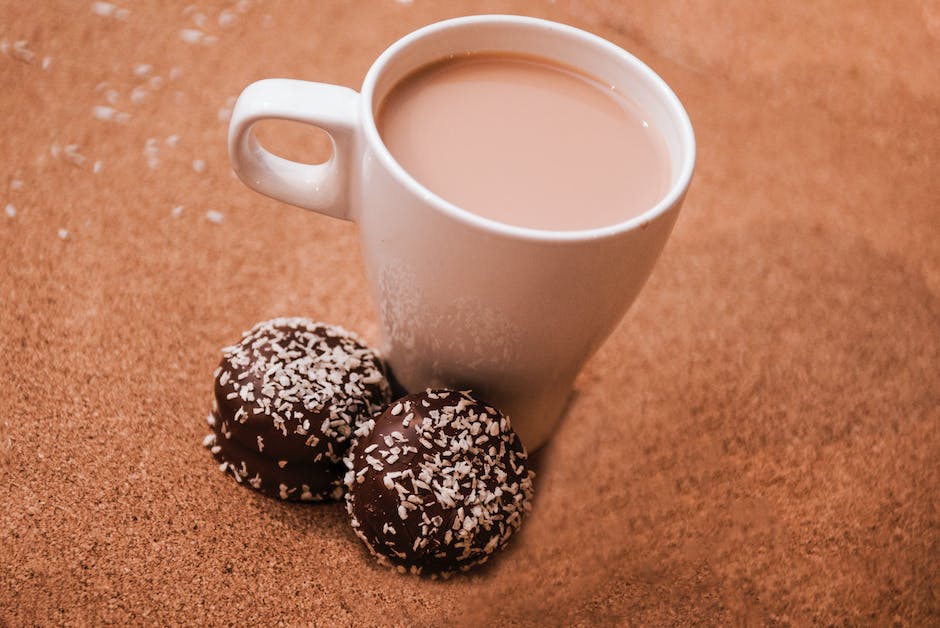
x=323, y=188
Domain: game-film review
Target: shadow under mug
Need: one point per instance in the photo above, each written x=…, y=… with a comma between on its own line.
x=463, y=301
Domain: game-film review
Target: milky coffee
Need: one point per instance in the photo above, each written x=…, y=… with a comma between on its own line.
x=525, y=141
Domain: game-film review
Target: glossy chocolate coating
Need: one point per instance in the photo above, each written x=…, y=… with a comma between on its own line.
x=437, y=483
x=287, y=399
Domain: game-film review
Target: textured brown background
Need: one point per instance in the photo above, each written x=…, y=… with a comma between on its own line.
x=757, y=442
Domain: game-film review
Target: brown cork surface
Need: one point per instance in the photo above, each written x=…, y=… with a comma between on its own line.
x=757, y=442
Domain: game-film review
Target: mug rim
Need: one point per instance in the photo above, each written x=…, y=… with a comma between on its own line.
x=669, y=200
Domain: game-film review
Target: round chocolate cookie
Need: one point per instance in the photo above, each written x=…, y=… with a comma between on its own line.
x=287, y=400
x=437, y=482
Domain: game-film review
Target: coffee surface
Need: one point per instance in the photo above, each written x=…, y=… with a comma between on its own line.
x=526, y=142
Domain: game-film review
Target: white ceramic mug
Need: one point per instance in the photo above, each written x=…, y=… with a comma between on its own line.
x=464, y=301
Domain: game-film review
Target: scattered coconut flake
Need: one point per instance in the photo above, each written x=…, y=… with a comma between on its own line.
x=54, y=150
x=403, y=1
x=175, y=72
x=63, y=234
x=97, y=167
x=16, y=184
x=200, y=20
x=108, y=114
x=46, y=62
x=224, y=113
x=177, y=211
x=103, y=113
x=155, y=82
x=73, y=156
x=11, y=211
x=139, y=95
x=191, y=35
x=226, y=18
x=108, y=9
x=22, y=52
x=143, y=70
x=103, y=85
x=214, y=216
x=150, y=151
x=189, y=8
x=199, y=165
x=112, y=96
x=4, y=46
x=172, y=140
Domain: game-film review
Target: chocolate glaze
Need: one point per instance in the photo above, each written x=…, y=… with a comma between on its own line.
x=437, y=482
x=287, y=399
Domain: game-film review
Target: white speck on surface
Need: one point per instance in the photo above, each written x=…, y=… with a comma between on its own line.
x=200, y=19
x=107, y=114
x=73, y=156
x=108, y=9
x=103, y=113
x=150, y=151
x=225, y=112
x=209, y=40
x=46, y=62
x=403, y=1
x=214, y=216
x=199, y=165
x=189, y=8
x=226, y=18
x=175, y=72
x=4, y=46
x=139, y=95
x=16, y=184
x=10, y=210
x=143, y=70
x=63, y=234
x=155, y=82
x=172, y=140
x=112, y=96
x=243, y=5
x=177, y=211
x=97, y=167
x=22, y=52
x=54, y=150
x=191, y=35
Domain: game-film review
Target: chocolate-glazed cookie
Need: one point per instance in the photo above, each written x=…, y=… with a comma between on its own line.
x=287, y=399
x=437, y=482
